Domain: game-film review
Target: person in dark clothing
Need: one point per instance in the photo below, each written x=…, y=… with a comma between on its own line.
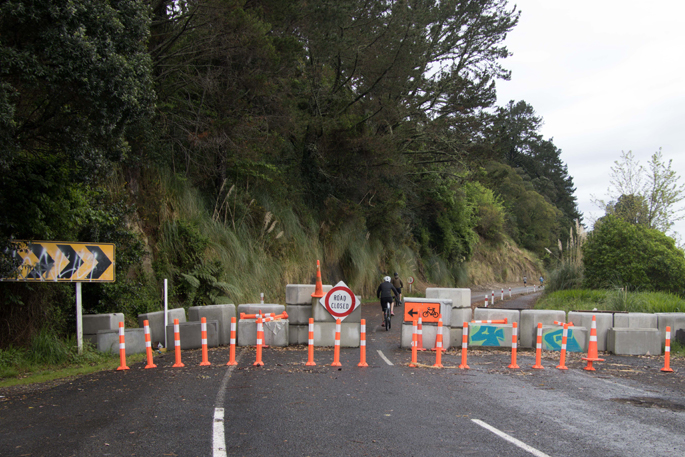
x=397, y=283
x=385, y=292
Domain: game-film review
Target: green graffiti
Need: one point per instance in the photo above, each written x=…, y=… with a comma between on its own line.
x=486, y=335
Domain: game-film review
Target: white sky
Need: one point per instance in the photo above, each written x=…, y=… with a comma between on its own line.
x=606, y=76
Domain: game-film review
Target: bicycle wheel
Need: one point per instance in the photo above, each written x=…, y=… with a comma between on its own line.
x=387, y=319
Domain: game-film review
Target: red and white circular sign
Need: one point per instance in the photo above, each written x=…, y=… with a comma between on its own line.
x=340, y=302
x=410, y=280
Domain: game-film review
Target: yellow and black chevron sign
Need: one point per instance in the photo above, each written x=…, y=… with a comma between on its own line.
x=64, y=261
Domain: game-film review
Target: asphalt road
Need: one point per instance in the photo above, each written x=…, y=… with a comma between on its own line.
x=625, y=408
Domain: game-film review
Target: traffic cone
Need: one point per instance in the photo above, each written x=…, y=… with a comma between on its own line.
x=419, y=337
x=336, y=350
x=310, y=349
x=231, y=360
x=260, y=340
x=562, y=361
x=667, y=352
x=592, y=355
x=318, y=292
x=538, y=349
x=362, y=345
x=514, y=346
x=203, y=334
x=148, y=345
x=438, y=346
x=464, y=346
x=414, y=343
x=122, y=348
x=177, y=345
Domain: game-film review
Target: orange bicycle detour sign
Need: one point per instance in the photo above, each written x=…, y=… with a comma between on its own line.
x=428, y=312
x=340, y=302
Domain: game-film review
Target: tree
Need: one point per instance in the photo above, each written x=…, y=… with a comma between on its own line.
x=644, y=195
x=620, y=254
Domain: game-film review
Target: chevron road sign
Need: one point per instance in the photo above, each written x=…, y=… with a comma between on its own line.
x=65, y=261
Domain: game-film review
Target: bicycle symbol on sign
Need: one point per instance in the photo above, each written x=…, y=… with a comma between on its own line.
x=431, y=312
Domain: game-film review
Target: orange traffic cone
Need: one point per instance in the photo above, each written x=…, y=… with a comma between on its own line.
x=414, y=343
x=148, y=345
x=438, y=346
x=464, y=347
x=122, y=348
x=592, y=355
x=562, y=360
x=538, y=349
x=514, y=346
x=260, y=341
x=419, y=337
x=231, y=357
x=362, y=345
x=318, y=292
x=177, y=346
x=667, y=352
x=310, y=349
x=203, y=335
x=336, y=349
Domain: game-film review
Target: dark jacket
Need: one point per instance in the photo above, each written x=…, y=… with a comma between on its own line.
x=397, y=282
x=385, y=290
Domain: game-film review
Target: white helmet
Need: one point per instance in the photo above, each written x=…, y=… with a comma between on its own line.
x=386, y=279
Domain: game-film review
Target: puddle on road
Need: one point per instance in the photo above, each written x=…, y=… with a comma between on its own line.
x=651, y=402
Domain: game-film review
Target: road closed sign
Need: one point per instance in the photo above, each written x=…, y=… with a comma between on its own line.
x=340, y=302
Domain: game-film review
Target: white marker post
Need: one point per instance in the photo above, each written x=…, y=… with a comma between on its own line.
x=166, y=314
x=79, y=319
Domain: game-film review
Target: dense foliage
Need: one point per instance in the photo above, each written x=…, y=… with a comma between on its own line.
x=224, y=143
x=620, y=254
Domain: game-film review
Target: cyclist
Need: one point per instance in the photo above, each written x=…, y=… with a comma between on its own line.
x=385, y=292
x=525, y=280
x=397, y=283
x=541, y=281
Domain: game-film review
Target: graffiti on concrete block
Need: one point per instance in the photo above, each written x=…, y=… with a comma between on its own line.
x=553, y=339
x=486, y=335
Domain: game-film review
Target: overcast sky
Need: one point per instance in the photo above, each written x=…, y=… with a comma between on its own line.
x=606, y=76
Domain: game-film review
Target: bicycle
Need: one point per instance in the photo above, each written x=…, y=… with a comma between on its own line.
x=387, y=317
x=431, y=312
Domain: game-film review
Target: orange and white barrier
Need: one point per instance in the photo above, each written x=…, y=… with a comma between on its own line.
x=336, y=350
x=562, y=360
x=362, y=345
x=414, y=344
x=148, y=345
x=177, y=345
x=310, y=349
x=122, y=348
x=592, y=355
x=538, y=349
x=490, y=321
x=231, y=360
x=667, y=352
x=260, y=342
x=514, y=345
x=438, y=346
x=419, y=337
x=266, y=317
x=561, y=324
x=203, y=334
x=464, y=346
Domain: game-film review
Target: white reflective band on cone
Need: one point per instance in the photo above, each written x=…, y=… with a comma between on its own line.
x=122, y=346
x=311, y=342
x=232, y=340
x=514, y=345
x=176, y=328
x=121, y=331
x=203, y=326
x=204, y=341
x=148, y=344
x=363, y=330
x=177, y=342
x=233, y=326
x=362, y=343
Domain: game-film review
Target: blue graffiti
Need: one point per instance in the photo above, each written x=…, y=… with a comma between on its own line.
x=486, y=335
x=553, y=340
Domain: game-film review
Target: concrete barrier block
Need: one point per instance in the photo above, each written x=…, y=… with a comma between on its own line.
x=276, y=333
x=490, y=335
x=430, y=334
x=456, y=335
x=635, y=320
x=324, y=334
x=220, y=313
x=483, y=314
x=299, y=314
x=156, y=320
x=301, y=294
x=459, y=316
x=444, y=304
x=679, y=336
x=191, y=335
x=529, y=321
x=604, y=321
x=461, y=298
x=634, y=341
x=674, y=320
x=298, y=334
x=320, y=314
x=108, y=341
x=94, y=322
x=552, y=336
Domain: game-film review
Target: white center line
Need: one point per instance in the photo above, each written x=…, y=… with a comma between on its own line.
x=384, y=357
x=511, y=439
x=218, y=438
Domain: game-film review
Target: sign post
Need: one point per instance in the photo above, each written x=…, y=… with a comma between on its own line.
x=65, y=261
x=410, y=280
x=340, y=302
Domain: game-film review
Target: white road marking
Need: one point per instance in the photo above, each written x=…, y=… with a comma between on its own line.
x=218, y=437
x=511, y=439
x=384, y=357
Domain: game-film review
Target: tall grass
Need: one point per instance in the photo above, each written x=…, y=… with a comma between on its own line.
x=611, y=300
